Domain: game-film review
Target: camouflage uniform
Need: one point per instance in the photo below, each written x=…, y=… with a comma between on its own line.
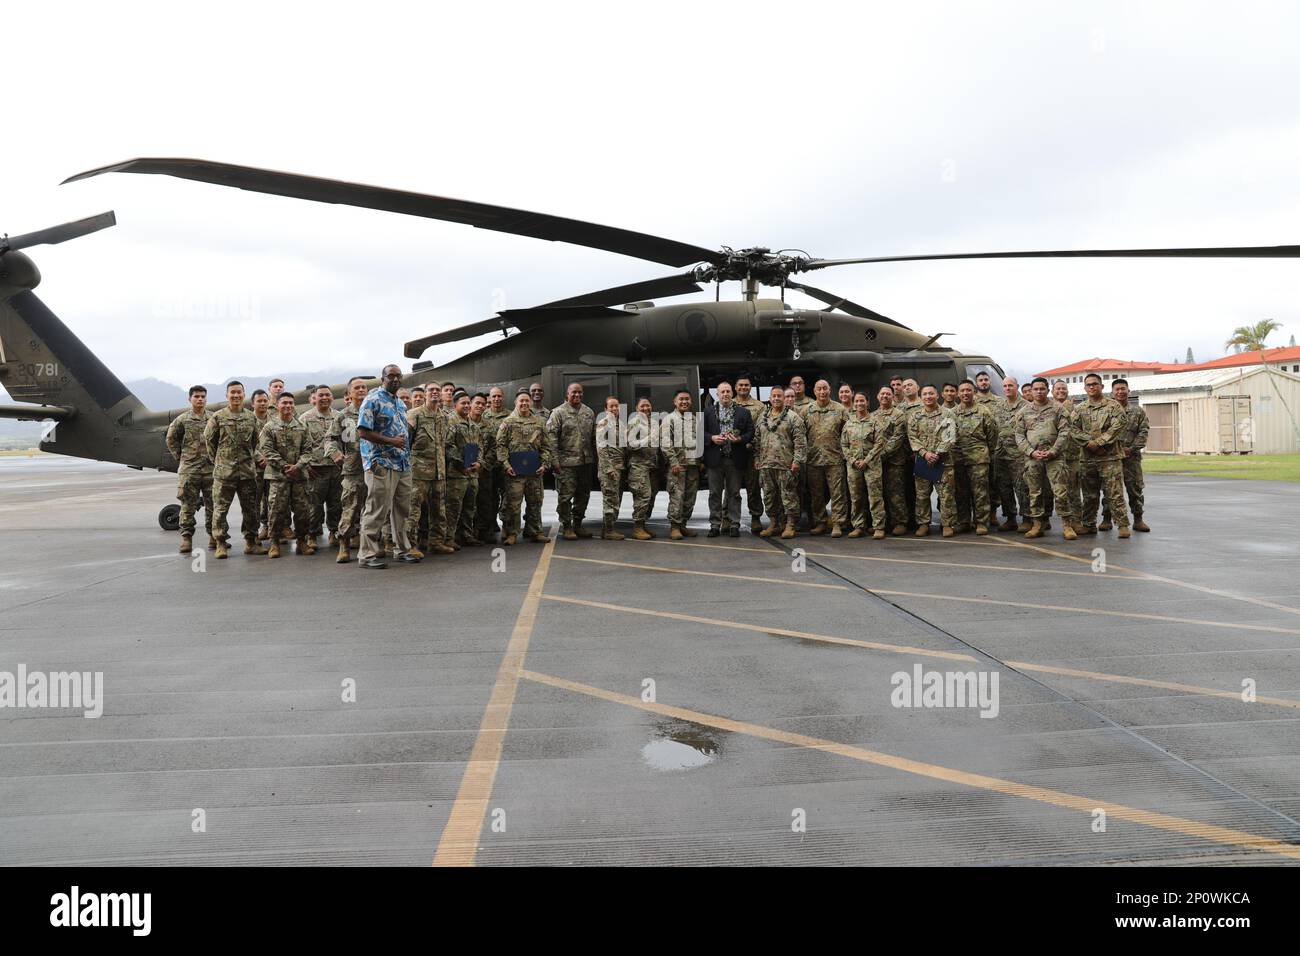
x=524, y=433
x=977, y=438
x=490, y=482
x=935, y=432
x=342, y=438
x=800, y=407
x=826, y=461
x=909, y=482
x=284, y=443
x=325, y=487
x=896, y=464
x=642, y=462
x=610, y=465
x=1009, y=466
x=263, y=496
x=678, y=435
x=463, y=432
x=572, y=432
x=864, y=438
x=1045, y=427
x=429, y=433
x=232, y=445
x=752, y=479
x=469, y=510
x=1100, y=470
x=782, y=441
x=1132, y=440
x=1072, y=462
x=194, y=476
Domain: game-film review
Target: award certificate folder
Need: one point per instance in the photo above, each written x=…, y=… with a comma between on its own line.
x=471, y=454
x=923, y=469
x=525, y=462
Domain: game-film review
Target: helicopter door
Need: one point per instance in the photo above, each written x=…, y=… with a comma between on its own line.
x=596, y=387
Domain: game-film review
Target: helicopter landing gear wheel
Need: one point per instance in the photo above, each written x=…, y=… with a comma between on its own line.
x=169, y=519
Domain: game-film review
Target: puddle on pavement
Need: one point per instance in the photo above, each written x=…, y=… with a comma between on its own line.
x=679, y=745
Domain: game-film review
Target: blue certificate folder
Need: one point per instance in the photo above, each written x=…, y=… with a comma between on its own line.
x=923, y=469
x=471, y=454
x=525, y=462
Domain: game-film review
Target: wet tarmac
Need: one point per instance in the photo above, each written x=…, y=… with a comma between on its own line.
x=965, y=701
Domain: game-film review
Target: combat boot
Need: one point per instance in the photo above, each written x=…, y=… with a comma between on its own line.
x=1068, y=532
x=789, y=531
x=948, y=532
x=221, y=549
x=922, y=530
x=818, y=528
x=688, y=533
x=837, y=532
x=263, y=533
x=768, y=531
x=1035, y=529
x=415, y=553
x=569, y=534
x=344, y=556
x=471, y=542
x=639, y=533
x=212, y=543
x=509, y=539
x=856, y=533
x=187, y=543
x=899, y=529
x=538, y=538
x=579, y=531
x=1139, y=524
x=1123, y=531
x=1105, y=523
x=274, y=550
x=252, y=546
x=439, y=548
x=1010, y=524
x=1025, y=524
x=311, y=544
x=676, y=533
x=756, y=525
x=334, y=539
x=305, y=546
x=878, y=534
x=608, y=532
x=981, y=529
x=1087, y=529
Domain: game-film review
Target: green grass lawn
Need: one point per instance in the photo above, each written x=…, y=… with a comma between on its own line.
x=1264, y=467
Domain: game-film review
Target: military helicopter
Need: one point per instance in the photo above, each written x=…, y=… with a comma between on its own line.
x=631, y=347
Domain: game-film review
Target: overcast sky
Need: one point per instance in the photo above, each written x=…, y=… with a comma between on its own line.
x=841, y=129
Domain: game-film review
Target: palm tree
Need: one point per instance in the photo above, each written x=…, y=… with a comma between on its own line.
x=1251, y=337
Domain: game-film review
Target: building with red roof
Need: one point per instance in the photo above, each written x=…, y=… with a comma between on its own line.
x=1284, y=359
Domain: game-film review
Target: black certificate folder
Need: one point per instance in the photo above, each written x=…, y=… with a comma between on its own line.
x=525, y=462
x=471, y=455
x=923, y=469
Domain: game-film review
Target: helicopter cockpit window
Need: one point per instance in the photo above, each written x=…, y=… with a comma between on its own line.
x=975, y=368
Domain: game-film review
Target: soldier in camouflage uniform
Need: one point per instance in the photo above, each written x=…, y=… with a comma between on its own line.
x=824, y=420
x=931, y=433
x=467, y=533
x=1099, y=427
x=642, y=461
x=681, y=441
x=288, y=446
x=572, y=430
x=896, y=459
x=1061, y=395
x=977, y=439
x=491, y=480
x=1009, y=469
x=194, y=474
x=862, y=442
x=262, y=411
x=610, y=466
x=799, y=403
x=753, y=481
x=1042, y=433
x=524, y=431
x=430, y=430
x=782, y=450
x=344, y=449
x=1132, y=441
x=325, y=486
x=231, y=437
x=463, y=432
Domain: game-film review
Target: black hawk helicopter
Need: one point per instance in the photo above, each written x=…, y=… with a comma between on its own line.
x=630, y=347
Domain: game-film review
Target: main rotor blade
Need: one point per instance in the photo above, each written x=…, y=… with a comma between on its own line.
x=1206, y=252
x=479, y=215
x=510, y=318
x=650, y=289
x=843, y=304
x=56, y=234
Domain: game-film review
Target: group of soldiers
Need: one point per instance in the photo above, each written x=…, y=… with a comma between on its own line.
x=836, y=463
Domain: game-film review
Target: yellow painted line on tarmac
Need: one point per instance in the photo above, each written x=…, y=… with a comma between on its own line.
x=1056, y=798
x=458, y=845
x=707, y=574
x=924, y=651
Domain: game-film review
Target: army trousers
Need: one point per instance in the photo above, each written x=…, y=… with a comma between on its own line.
x=488, y=505
x=224, y=492
x=325, y=492
x=388, y=504
x=195, y=492
x=427, y=495
x=682, y=491
x=724, y=495
x=946, y=486
x=526, y=490
x=1049, y=481
x=641, y=482
x=1135, y=485
x=573, y=489
x=1097, y=478
x=285, y=499
x=1011, y=492
x=897, y=478
x=1072, y=489
x=753, y=490
x=974, y=505
x=468, y=527
x=867, y=495
x=263, y=496
x=457, y=492
x=827, y=482
x=781, y=493
x=611, y=491
x=352, y=498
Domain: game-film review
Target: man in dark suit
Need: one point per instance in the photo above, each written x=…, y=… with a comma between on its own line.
x=728, y=429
